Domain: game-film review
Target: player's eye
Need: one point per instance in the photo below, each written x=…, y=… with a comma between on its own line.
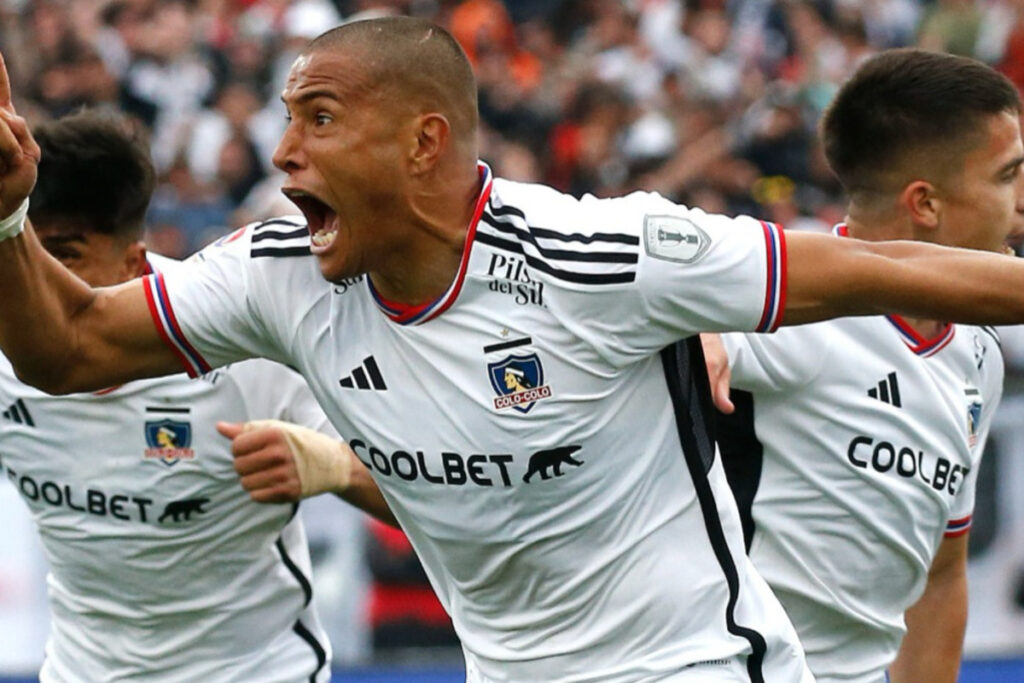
x=323, y=119
x=64, y=254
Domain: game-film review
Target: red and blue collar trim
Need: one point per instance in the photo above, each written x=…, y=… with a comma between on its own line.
x=404, y=314
x=918, y=344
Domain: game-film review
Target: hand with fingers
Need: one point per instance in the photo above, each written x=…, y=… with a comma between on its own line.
x=19, y=158
x=719, y=375
x=279, y=462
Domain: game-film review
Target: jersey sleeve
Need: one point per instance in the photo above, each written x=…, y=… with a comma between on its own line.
x=787, y=360
x=216, y=308
x=651, y=272
x=992, y=371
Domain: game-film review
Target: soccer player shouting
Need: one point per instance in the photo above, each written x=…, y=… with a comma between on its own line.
x=580, y=528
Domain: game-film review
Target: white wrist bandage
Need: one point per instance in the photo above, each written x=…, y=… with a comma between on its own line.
x=324, y=464
x=15, y=223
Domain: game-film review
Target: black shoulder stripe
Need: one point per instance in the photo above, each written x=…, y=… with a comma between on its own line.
x=560, y=254
x=544, y=266
x=992, y=332
x=280, y=251
x=261, y=235
x=278, y=221
x=546, y=233
x=613, y=237
x=506, y=210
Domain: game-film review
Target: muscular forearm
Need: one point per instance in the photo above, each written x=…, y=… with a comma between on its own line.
x=831, y=277
x=932, y=647
x=363, y=493
x=40, y=302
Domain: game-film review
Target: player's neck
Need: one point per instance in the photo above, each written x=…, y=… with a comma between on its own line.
x=422, y=269
x=878, y=228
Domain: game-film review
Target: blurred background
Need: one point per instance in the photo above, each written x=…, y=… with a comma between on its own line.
x=712, y=103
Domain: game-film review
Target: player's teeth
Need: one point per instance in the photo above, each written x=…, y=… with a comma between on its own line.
x=323, y=237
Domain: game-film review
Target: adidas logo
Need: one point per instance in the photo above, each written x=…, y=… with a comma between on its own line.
x=17, y=412
x=887, y=391
x=367, y=376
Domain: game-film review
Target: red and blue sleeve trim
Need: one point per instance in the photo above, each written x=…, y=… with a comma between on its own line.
x=958, y=527
x=775, y=288
x=404, y=314
x=168, y=328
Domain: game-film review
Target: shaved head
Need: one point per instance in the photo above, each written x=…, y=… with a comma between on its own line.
x=413, y=63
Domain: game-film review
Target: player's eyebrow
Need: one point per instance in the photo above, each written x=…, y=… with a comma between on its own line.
x=1011, y=165
x=64, y=238
x=308, y=95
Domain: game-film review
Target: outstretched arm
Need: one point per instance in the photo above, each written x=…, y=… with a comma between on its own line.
x=830, y=277
x=60, y=334
x=933, y=645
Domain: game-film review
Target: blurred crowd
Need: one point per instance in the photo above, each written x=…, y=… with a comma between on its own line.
x=713, y=103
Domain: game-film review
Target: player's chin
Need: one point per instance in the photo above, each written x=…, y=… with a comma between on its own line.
x=331, y=269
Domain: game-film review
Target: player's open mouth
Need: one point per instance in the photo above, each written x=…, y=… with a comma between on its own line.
x=1013, y=243
x=321, y=219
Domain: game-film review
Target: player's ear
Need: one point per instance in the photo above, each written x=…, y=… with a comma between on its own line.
x=432, y=134
x=134, y=263
x=923, y=205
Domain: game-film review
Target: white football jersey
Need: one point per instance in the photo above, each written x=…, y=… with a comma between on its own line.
x=858, y=444
x=549, y=466
x=162, y=568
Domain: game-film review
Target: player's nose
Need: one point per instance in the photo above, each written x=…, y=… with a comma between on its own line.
x=288, y=154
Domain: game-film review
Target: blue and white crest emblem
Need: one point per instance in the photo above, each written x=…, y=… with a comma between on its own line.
x=518, y=381
x=169, y=441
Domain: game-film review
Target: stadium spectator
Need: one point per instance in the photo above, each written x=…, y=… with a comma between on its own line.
x=857, y=496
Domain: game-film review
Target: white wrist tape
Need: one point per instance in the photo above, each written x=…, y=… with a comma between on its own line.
x=15, y=223
x=324, y=464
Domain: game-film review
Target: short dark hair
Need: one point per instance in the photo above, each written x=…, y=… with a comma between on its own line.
x=94, y=172
x=908, y=105
x=415, y=58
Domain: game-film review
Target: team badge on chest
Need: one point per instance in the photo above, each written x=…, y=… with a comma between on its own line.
x=518, y=382
x=169, y=441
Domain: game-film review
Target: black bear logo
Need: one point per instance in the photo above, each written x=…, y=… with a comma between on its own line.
x=553, y=459
x=178, y=508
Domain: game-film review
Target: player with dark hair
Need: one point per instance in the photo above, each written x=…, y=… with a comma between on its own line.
x=97, y=178
x=161, y=566
x=389, y=296
x=855, y=446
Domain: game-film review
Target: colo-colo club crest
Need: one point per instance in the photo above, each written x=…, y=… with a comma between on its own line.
x=169, y=441
x=519, y=382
